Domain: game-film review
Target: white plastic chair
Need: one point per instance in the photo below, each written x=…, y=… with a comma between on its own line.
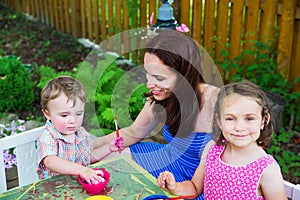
x=25, y=144
x=292, y=190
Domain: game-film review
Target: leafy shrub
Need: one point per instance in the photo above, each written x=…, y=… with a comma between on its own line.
x=47, y=73
x=16, y=87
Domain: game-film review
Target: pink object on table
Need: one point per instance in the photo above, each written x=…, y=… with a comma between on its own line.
x=95, y=188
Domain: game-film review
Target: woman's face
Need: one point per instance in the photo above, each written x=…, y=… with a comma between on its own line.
x=161, y=79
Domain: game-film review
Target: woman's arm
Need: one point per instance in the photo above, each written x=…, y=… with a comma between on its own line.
x=272, y=184
x=139, y=129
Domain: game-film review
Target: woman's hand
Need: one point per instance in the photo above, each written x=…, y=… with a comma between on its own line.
x=117, y=144
x=166, y=181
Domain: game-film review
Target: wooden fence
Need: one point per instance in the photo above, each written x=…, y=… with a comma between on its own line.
x=213, y=23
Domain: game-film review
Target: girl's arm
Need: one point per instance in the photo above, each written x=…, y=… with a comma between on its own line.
x=141, y=127
x=62, y=166
x=272, y=184
x=194, y=187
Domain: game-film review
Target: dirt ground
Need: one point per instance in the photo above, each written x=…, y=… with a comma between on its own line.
x=37, y=43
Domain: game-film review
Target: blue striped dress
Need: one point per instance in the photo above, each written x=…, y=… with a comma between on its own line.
x=181, y=156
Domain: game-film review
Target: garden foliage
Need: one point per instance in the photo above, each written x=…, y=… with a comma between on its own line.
x=16, y=87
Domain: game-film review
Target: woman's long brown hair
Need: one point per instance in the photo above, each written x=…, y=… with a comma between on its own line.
x=182, y=54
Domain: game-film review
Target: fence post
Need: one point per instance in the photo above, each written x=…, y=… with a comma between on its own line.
x=222, y=26
x=196, y=27
x=268, y=20
x=74, y=5
x=286, y=36
x=208, y=34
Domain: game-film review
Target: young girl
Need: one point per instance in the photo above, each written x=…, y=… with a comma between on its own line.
x=236, y=166
x=64, y=147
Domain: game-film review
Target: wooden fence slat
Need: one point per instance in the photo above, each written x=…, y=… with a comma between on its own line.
x=46, y=11
x=295, y=69
x=96, y=20
x=24, y=5
x=75, y=25
x=37, y=8
x=197, y=21
x=51, y=12
x=67, y=16
x=185, y=13
x=143, y=13
x=56, y=14
x=119, y=10
x=267, y=17
x=89, y=19
x=41, y=10
x=251, y=23
x=83, y=18
x=209, y=24
x=126, y=26
x=103, y=20
x=285, y=37
x=60, y=8
x=110, y=24
x=222, y=25
x=119, y=17
x=152, y=8
x=110, y=17
x=236, y=24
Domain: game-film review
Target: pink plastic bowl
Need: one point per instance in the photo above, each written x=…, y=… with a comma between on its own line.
x=97, y=188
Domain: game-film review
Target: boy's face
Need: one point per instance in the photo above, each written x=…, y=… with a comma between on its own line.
x=65, y=117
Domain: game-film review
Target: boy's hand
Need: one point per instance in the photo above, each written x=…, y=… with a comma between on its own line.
x=166, y=181
x=92, y=176
x=117, y=144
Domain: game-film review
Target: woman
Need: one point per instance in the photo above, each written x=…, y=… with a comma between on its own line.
x=180, y=99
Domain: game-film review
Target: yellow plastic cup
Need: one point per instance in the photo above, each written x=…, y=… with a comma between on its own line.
x=99, y=197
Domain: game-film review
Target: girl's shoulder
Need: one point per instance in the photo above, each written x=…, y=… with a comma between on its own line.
x=208, y=146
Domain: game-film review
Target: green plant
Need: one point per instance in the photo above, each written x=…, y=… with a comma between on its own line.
x=111, y=91
x=287, y=157
x=16, y=87
x=61, y=56
x=48, y=73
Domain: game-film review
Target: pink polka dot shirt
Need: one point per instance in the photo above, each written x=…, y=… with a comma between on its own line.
x=225, y=181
